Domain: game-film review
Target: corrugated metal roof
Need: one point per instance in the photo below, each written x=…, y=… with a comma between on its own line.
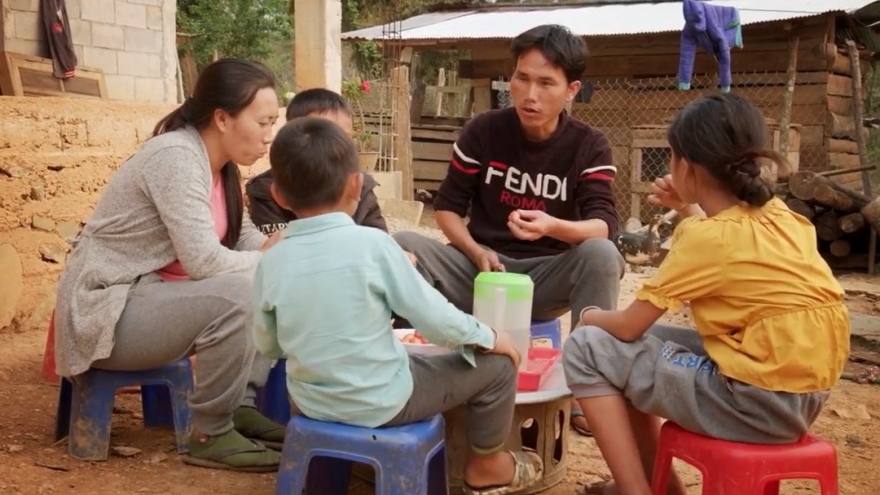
x=588, y=20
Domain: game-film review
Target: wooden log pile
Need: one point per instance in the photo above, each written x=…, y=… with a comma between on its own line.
x=843, y=217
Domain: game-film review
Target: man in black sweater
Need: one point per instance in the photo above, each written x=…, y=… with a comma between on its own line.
x=537, y=183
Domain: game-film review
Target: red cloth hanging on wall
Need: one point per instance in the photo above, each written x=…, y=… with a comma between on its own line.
x=57, y=26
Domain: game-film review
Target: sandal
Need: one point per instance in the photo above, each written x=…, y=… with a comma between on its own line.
x=528, y=470
x=253, y=425
x=231, y=451
x=584, y=432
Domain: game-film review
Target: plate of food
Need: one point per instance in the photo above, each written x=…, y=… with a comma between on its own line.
x=415, y=343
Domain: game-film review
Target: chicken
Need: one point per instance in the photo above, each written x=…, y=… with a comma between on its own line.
x=640, y=248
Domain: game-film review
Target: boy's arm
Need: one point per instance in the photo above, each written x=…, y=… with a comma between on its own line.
x=411, y=297
x=265, y=328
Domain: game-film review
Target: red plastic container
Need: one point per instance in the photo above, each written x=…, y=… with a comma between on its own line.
x=541, y=362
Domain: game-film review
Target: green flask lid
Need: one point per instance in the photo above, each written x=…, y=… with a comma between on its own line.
x=518, y=286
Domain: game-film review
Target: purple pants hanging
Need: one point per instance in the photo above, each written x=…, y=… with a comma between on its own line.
x=714, y=28
x=57, y=26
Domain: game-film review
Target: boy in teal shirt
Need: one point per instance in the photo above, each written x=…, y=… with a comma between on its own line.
x=324, y=295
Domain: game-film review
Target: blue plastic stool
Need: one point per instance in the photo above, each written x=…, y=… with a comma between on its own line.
x=272, y=399
x=547, y=333
x=408, y=460
x=85, y=407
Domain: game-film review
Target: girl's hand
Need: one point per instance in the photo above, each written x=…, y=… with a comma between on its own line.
x=663, y=193
x=274, y=238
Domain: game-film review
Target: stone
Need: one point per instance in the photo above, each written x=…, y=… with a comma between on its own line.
x=42, y=223
x=14, y=448
x=56, y=167
x=13, y=171
x=67, y=229
x=52, y=253
x=123, y=451
x=38, y=192
x=11, y=283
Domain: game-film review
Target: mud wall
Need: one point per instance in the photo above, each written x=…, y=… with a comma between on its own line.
x=56, y=155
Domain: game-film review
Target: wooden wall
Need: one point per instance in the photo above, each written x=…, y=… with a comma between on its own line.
x=634, y=84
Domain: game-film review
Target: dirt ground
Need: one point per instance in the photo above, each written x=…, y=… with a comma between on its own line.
x=31, y=463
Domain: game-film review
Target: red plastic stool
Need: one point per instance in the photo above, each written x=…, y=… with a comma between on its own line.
x=733, y=468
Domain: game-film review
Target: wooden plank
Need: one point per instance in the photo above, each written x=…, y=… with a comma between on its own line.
x=658, y=64
x=429, y=170
x=431, y=151
x=26, y=75
x=421, y=133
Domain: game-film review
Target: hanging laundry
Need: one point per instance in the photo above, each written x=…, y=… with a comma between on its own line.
x=57, y=26
x=716, y=30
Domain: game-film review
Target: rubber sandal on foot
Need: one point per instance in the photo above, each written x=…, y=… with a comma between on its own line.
x=253, y=425
x=528, y=470
x=232, y=452
x=584, y=432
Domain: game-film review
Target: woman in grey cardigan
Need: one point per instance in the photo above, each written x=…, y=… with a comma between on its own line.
x=162, y=270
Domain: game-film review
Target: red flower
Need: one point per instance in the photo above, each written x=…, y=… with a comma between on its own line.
x=365, y=85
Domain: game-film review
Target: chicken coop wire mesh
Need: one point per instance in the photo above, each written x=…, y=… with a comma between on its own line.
x=634, y=115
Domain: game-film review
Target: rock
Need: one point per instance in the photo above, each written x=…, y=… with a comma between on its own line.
x=858, y=412
x=52, y=253
x=157, y=458
x=14, y=448
x=123, y=451
x=43, y=223
x=56, y=167
x=38, y=192
x=10, y=283
x=67, y=229
x=13, y=171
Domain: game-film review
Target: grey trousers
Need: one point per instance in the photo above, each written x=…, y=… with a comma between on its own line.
x=667, y=373
x=211, y=318
x=587, y=275
x=442, y=383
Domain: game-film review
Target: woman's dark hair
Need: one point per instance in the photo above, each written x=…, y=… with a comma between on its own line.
x=316, y=100
x=228, y=84
x=726, y=135
x=558, y=45
x=312, y=160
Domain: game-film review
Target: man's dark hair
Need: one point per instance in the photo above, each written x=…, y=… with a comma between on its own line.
x=561, y=48
x=316, y=101
x=311, y=160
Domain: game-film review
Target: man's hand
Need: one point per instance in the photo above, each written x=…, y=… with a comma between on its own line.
x=411, y=257
x=486, y=260
x=504, y=346
x=530, y=225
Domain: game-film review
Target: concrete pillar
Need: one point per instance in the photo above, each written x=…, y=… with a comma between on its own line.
x=318, y=44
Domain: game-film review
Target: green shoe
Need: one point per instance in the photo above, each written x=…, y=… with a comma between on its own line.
x=250, y=423
x=231, y=451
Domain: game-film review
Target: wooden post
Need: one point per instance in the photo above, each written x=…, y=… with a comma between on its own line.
x=787, y=97
x=318, y=44
x=438, y=95
x=403, y=143
x=858, y=117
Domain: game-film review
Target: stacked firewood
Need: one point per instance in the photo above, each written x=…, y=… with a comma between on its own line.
x=843, y=217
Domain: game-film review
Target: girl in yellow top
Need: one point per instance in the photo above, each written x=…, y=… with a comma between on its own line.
x=772, y=333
